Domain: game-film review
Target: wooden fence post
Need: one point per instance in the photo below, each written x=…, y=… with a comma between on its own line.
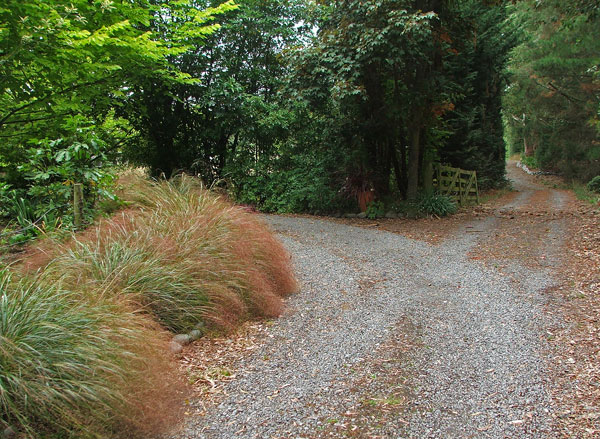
x=428, y=178
x=78, y=205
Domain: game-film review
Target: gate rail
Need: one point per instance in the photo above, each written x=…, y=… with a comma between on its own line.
x=456, y=183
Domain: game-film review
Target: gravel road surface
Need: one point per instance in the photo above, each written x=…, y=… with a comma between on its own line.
x=475, y=368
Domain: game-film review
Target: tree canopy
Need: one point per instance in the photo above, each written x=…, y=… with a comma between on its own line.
x=294, y=103
x=551, y=109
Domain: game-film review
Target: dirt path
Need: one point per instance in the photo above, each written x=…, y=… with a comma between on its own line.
x=399, y=338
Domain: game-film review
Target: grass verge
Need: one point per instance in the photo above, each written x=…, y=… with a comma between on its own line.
x=583, y=194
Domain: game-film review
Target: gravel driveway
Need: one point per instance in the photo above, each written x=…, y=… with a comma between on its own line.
x=395, y=338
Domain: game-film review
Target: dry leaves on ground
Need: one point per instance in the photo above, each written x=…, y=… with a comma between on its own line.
x=434, y=230
x=210, y=363
x=576, y=360
x=379, y=392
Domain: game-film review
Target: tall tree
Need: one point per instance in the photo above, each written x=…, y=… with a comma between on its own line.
x=477, y=68
x=381, y=60
x=200, y=127
x=63, y=65
x=551, y=109
x=396, y=69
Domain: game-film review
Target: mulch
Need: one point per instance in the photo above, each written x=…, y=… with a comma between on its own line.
x=576, y=357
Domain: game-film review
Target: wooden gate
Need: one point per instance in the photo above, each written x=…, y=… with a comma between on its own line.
x=458, y=184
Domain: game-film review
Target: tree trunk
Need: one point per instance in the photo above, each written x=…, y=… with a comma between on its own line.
x=384, y=167
x=400, y=176
x=529, y=147
x=428, y=177
x=413, y=162
x=403, y=165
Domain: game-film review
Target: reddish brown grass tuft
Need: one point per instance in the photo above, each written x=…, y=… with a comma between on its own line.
x=199, y=238
x=268, y=264
x=179, y=256
x=155, y=393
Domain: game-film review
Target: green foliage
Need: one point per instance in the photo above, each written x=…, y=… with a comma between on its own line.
x=403, y=82
x=23, y=212
x=4, y=207
x=357, y=74
x=529, y=161
x=551, y=108
x=53, y=167
x=583, y=193
x=436, y=204
x=50, y=170
x=375, y=209
x=284, y=98
x=202, y=127
x=477, y=69
x=68, y=68
x=303, y=184
x=594, y=184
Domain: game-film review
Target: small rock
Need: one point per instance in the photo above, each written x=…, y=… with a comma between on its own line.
x=195, y=334
x=362, y=215
x=200, y=326
x=175, y=347
x=391, y=215
x=350, y=215
x=182, y=339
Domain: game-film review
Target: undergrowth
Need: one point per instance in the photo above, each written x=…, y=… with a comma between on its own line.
x=529, y=161
x=594, y=185
x=584, y=193
x=436, y=204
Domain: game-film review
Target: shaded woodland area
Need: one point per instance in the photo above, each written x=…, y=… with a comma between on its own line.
x=291, y=105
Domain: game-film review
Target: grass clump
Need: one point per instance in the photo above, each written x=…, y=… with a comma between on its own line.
x=73, y=368
x=436, y=204
x=584, y=193
x=83, y=344
x=594, y=185
x=184, y=255
x=529, y=161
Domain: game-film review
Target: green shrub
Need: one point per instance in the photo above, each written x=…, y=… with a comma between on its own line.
x=128, y=265
x=75, y=368
x=375, y=209
x=5, y=190
x=529, y=161
x=299, y=183
x=436, y=204
x=42, y=194
x=594, y=184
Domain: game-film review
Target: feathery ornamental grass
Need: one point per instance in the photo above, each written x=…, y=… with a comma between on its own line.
x=82, y=346
x=185, y=255
x=78, y=369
